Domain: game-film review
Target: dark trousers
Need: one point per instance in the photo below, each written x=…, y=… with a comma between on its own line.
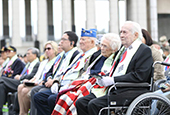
x=3, y=96
x=35, y=90
x=16, y=104
x=6, y=85
x=90, y=105
x=45, y=102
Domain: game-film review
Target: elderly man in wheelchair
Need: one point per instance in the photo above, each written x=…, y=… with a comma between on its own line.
x=133, y=67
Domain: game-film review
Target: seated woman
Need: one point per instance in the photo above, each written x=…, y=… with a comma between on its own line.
x=110, y=43
x=156, y=54
x=23, y=90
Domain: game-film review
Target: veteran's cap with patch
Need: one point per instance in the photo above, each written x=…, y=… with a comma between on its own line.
x=12, y=48
x=88, y=33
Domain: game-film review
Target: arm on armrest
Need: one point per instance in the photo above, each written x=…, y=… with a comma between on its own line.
x=128, y=84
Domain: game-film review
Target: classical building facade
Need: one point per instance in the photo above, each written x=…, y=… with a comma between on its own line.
x=28, y=23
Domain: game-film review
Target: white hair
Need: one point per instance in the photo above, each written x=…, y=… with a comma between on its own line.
x=113, y=39
x=135, y=28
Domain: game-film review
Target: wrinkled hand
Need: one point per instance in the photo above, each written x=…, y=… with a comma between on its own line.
x=105, y=81
x=49, y=83
x=25, y=80
x=35, y=83
x=17, y=77
x=167, y=89
x=54, y=88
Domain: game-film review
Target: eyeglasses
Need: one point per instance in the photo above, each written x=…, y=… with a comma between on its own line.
x=64, y=39
x=47, y=49
x=104, y=46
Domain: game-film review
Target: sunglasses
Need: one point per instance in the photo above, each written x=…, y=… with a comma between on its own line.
x=9, y=51
x=47, y=49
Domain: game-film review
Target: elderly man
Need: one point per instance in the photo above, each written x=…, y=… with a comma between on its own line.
x=134, y=66
x=13, y=68
x=87, y=45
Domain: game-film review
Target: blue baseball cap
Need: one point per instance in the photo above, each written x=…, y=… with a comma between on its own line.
x=88, y=33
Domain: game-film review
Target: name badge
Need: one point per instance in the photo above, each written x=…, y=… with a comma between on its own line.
x=120, y=68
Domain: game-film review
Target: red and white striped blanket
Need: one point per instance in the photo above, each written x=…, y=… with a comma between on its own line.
x=66, y=102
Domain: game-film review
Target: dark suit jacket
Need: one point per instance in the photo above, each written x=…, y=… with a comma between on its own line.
x=31, y=75
x=16, y=67
x=140, y=67
x=91, y=59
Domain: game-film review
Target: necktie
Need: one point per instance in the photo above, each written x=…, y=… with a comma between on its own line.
x=61, y=61
x=78, y=61
x=25, y=70
x=58, y=63
x=75, y=64
x=123, y=56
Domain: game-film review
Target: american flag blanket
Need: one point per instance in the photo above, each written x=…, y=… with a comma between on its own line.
x=66, y=102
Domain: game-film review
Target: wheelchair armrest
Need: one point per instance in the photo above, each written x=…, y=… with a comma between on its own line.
x=129, y=84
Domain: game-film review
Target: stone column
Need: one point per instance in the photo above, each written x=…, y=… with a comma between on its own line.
x=72, y=16
x=137, y=11
x=16, y=38
x=50, y=20
x=28, y=20
x=2, y=41
x=114, y=16
x=1, y=24
x=5, y=18
x=66, y=15
x=90, y=13
x=153, y=20
x=42, y=26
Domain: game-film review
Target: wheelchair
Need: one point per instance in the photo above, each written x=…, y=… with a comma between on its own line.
x=137, y=102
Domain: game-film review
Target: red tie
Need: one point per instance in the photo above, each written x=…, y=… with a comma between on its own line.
x=78, y=62
x=123, y=56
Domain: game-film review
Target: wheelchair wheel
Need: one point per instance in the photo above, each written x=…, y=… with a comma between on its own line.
x=149, y=104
